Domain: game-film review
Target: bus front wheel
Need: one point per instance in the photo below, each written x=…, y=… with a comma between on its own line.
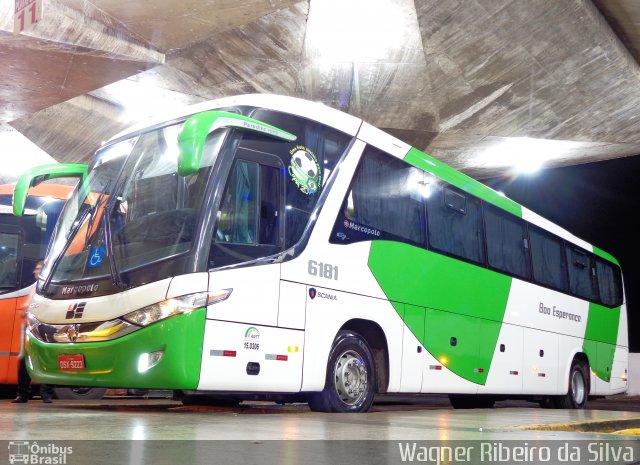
x=578, y=389
x=79, y=393
x=350, y=383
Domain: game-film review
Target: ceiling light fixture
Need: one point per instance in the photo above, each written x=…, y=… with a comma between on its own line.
x=525, y=154
x=355, y=30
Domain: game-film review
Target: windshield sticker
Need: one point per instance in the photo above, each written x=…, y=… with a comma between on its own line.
x=96, y=257
x=305, y=170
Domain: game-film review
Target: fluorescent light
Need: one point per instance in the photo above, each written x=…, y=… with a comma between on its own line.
x=142, y=99
x=355, y=30
x=525, y=154
x=23, y=153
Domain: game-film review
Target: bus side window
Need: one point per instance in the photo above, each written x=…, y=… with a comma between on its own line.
x=325, y=146
x=581, y=274
x=238, y=219
x=506, y=236
x=8, y=261
x=547, y=260
x=387, y=195
x=455, y=223
x=609, y=284
x=249, y=219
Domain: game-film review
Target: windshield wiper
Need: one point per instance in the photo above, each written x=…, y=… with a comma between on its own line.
x=96, y=208
x=116, y=277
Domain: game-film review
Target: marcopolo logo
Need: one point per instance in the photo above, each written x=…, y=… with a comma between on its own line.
x=75, y=310
x=79, y=290
x=362, y=229
x=33, y=453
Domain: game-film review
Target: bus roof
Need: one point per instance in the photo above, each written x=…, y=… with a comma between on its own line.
x=313, y=110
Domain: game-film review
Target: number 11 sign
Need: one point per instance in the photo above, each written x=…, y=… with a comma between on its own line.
x=27, y=13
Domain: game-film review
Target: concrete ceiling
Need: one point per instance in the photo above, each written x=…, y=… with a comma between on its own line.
x=457, y=78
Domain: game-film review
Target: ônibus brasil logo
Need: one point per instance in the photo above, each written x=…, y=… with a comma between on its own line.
x=33, y=453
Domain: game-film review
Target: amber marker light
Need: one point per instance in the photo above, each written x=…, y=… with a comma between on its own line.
x=444, y=361
x=292, y=349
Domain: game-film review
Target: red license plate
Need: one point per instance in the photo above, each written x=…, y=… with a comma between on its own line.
x=71, y=362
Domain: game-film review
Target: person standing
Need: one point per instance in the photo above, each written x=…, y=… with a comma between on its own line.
x=24, y=380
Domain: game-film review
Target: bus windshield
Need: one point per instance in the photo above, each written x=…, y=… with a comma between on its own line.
x=24, y=240
x=133, y=209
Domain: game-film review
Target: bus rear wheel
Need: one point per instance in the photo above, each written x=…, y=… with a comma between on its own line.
x=350, y=383
x=578, y=390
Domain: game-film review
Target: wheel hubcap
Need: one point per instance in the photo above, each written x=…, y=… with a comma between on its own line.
x=81, y=391
x=350, y=378
x=578, y=387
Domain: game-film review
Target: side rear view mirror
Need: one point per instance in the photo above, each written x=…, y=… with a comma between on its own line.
x=38, y=174
x=194, y=134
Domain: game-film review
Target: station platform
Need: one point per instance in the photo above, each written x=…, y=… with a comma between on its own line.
x=112, y=422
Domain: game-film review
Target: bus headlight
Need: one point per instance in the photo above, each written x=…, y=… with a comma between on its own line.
x=167, y=308
x=33, y=324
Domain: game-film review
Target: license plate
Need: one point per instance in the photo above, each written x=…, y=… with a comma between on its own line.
x=71, y=362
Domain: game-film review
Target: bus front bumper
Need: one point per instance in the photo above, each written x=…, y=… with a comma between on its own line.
x=163, y=355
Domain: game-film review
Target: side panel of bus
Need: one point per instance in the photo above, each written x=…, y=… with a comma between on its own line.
x=7, y=319
x=245, y=348
x=12, y=303
x=488, y=332
x=11, y=314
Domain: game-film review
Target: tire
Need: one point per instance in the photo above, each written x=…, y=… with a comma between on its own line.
x=350, y=363
x=79, y=393
x=578, y=388
x=137, y=392
x=467, y=401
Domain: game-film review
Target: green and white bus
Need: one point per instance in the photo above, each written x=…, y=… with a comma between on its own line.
x=264, y=246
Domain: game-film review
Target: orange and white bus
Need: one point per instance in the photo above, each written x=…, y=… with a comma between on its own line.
x=23, y=242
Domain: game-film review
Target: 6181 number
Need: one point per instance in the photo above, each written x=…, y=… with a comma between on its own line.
x=323, y=270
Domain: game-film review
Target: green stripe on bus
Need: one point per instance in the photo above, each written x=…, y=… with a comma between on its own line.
x=420, y=159
x=600, y=339
x=607, y=256
x=464, y=304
